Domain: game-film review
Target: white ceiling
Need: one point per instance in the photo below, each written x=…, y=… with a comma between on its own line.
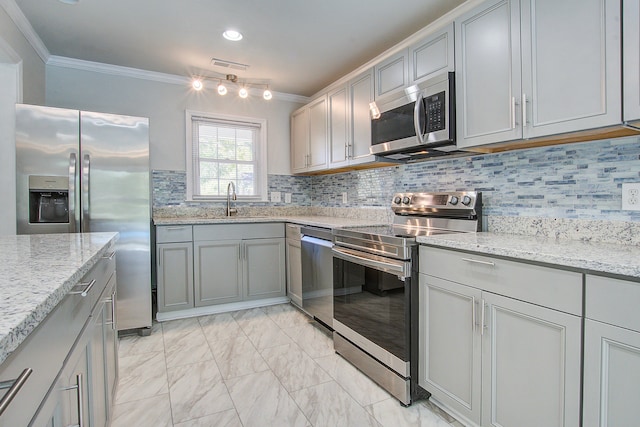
x=297, y=46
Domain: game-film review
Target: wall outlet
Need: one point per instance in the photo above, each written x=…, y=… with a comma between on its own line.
x=276, y=197
x=631, y=196
x=344, y=197
x=287, y=197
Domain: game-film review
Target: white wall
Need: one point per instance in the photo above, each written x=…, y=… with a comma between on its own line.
x=165, y=105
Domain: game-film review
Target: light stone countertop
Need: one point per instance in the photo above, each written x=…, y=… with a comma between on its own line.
x=614, y=259
x=36, y=273
x=313, y=220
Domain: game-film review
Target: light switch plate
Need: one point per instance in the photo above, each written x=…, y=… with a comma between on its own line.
x=287, y=197
x=276, y=197
x=631, y=196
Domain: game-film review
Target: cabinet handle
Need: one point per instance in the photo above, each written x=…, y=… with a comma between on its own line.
x=174, y=228
x=477, y=261
x=474, y=321
x=14, y=387
x=524, y=110
x=87, y=288
x=112, y=301
x=513, y=112
x=482, y=325
x=110, y=256
x=80, y=394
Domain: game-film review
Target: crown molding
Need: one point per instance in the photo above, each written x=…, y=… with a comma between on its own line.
x=136, y=73
x=16, y=15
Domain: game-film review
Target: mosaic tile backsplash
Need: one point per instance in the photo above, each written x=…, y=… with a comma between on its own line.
x=572, y=181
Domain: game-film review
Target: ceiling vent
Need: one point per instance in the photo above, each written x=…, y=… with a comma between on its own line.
x=228, y=64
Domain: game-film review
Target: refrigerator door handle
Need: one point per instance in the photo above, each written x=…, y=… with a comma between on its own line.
x=86, y=186
x=72, y=193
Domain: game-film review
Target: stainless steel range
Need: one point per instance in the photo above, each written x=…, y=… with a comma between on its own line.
x=375, y=284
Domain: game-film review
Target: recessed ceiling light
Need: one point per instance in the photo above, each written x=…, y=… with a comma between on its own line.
x=232, y=35
x=69, y=1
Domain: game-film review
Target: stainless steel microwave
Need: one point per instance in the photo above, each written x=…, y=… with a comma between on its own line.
x=419, y=123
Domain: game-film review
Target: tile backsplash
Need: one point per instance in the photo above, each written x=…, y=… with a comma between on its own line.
x=572, y=181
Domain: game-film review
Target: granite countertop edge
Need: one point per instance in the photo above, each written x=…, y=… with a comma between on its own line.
x=318, y=221
x=17, y=333
x=589, y=257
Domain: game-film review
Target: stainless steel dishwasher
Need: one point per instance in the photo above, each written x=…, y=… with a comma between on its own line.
x=317, y=274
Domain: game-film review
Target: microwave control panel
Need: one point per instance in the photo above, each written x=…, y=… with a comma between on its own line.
x=435, y=112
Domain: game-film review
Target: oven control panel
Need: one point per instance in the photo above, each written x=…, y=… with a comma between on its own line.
x=426, y=202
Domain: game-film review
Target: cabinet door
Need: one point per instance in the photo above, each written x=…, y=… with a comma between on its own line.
x=570, y=65
x=432, y=55
x=98, y=395
x=631, y=59
x=318, y=134
x=488, y=74
x=392, y=74
x=449, y=345
x=75, y=407
x=111, y=343
x=294, y=271
x=338, y=126
x=299, y=139
x=611, y=375
x=530, y=365
x=360, y=96
x=264, y=268
x=175, y=276
x=218, y=275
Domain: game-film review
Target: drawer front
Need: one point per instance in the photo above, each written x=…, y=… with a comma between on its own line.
x=174, y=233
x=238, y=231
x=292, y=231
x=548, y=287
x=613, y=301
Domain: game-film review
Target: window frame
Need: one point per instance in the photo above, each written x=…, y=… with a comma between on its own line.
x=260, y=156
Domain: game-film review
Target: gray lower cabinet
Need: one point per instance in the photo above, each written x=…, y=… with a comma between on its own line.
x=491, y=358
x=611, y=353
x=238, y=270
x=294, y=264
x=174, y=257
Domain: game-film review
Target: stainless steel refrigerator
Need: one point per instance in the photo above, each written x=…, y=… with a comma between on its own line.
x=81, y=171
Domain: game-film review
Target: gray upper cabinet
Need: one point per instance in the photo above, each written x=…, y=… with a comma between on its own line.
x=570, y=75
x=309, y=136
x=350, y=122
x=432, y=55
x=392, y=74
x=488, y=77
x=631, y=60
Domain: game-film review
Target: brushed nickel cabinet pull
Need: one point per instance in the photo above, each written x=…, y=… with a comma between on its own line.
x=87, y=288
x=14, y=387
x=477, y=261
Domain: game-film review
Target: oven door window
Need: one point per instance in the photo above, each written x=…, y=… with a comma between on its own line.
x=372, y=303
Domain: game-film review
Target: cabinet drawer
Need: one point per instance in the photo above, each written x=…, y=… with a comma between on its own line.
x=174, y=234
x=238, y=231
x=613, y=301
x=549, y=287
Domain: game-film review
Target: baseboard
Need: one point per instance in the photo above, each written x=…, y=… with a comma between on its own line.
x=219, y=308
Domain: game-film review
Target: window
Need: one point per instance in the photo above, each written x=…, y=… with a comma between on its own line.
x=223, y=149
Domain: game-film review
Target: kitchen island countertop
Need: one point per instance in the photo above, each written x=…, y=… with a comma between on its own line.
x=589, y=257
x=36, y=273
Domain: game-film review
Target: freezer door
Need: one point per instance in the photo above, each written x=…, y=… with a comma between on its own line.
x=47, y=141
x=114, y=159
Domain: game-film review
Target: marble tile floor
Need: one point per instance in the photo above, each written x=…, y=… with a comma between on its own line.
x=270, y=366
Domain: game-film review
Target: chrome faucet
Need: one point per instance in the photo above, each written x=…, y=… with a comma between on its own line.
x=230, y=210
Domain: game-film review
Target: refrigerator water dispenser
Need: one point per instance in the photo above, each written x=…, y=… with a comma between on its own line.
x=48, y=199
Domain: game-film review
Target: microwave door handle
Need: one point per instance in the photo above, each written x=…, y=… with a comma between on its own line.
x=418, y=118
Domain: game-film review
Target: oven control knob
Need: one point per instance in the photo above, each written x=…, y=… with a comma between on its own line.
x=406, y=200
x=397, y=200
x=466, y=200
x=454, y=200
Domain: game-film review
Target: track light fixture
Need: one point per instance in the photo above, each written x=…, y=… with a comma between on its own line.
x=232, y=80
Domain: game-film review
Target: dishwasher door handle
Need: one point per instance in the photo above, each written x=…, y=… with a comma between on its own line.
x=316, y=241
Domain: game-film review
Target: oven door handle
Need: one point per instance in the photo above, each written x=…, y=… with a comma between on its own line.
x=401, y=268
